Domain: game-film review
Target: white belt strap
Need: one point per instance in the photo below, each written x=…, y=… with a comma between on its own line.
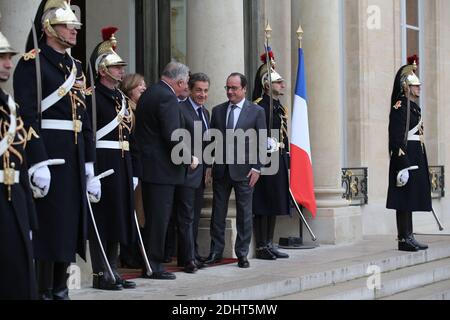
x=113, y=124
x=413, y=131
x=62, y=91
x=62, y=125
x=414, y=138
x=16, y=177
x=9, y=137
x=115, y=145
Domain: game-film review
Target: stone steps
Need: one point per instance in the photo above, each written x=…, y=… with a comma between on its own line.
x=391, y=283
x=435, y=291
x=305, y=272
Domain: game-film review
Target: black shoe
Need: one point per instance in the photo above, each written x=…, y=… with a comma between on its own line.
x=200, y=259
x=214, y=258
x=419, y=245
x=61, y=295
x=190, y=267
x=126, y=284
x=243, y=263
x=265, y=254
x=200, y=264
x=46, y=295
x=407, y=245
x=99, y=282
x=278, y=254
x=161, y=276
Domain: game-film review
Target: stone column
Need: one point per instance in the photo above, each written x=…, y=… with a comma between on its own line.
x=15, y=24
x=215, y=46
x=336, y=222
x=215, y=42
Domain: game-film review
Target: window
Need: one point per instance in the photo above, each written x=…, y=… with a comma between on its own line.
x=178, y=23
x=412, y=30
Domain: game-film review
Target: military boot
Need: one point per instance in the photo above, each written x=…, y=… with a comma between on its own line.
x=421, y=246
x=405, y=242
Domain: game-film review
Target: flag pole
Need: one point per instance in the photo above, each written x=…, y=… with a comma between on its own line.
x=299, y=244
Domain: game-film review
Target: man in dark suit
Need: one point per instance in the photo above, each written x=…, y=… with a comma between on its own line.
x=240, y=171
x=158, y=116
x=189, y=196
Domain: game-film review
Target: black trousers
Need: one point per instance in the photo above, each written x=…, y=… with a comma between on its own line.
x=244, y=198
x=52, y=279
x=264, y=228
x=158, y=205
x=198, y=206
x=404, y=224
x=184, y=208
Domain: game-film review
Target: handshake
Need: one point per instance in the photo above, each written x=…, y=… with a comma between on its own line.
x=403, y=176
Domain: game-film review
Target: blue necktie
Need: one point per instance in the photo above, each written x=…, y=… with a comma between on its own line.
x=200, y=115
x=230, y=123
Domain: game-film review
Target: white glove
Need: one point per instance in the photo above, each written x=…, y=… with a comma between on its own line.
x=89, y=167
x=94, y=189
x=402, y=178
x=194, y=163
x=40, y=182
x=135, y=182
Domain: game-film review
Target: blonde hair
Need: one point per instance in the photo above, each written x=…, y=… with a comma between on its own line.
x=130, y=82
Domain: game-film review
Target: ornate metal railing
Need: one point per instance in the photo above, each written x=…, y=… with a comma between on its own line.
x=355, y=183
x=437, y=179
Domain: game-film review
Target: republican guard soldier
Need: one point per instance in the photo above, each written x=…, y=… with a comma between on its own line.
x=114, y=213
x=17, y=212
x=61, y=122
x=409, y=182
x=271, y=195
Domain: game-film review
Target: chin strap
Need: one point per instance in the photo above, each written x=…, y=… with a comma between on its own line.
x=53, y=32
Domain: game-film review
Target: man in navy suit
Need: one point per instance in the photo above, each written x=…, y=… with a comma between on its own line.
x=240, y=171
x=158, y=115
x=189, y=196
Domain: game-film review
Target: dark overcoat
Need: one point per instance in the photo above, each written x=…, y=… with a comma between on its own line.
x=271, y=195
x=416, y=194
x=114, y=213
x=62, y=213
x=17, y=218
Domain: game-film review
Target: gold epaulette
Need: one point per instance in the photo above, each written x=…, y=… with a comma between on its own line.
x=257, y=101
x=31, y=55
x=398, y=105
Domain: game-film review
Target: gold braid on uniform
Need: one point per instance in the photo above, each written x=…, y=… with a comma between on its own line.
x=19, y=139
x=283, y=114
x=126, y=124
x=77, y=102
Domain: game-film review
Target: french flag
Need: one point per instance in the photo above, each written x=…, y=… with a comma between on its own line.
x=302, y=179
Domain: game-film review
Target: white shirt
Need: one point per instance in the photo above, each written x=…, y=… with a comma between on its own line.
x=237, y=112
x=196, y=107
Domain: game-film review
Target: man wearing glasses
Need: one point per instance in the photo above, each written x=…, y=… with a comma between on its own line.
x=237, y=171
x=54, y=109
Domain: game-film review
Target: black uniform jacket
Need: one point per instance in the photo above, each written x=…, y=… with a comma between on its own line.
x=17, y=216
x=271, y=195
x=62, y=213
x=416, y=194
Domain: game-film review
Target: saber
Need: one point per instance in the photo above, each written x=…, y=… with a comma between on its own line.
x=101, y=176
x=38, y=74
x=441, y=228
x=94, y=103
x=314, y=238
x=268, y=33
x=141, y=246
